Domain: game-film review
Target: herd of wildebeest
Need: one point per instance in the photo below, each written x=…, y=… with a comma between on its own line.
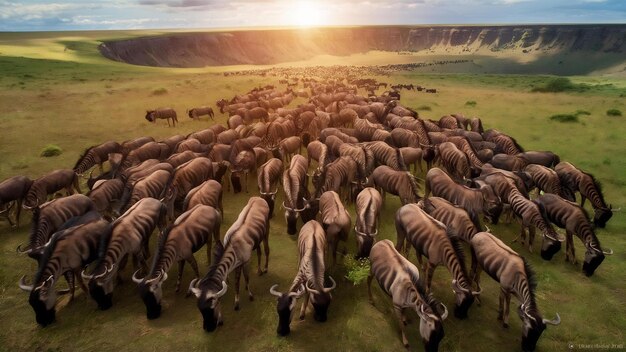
x=357, y=149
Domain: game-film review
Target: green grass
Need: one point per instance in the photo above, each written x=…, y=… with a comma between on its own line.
x=471, y=103
x=564, y=118
x=51, y=150
x=79, y=99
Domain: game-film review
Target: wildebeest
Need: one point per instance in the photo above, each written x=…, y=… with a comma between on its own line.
x=481, y=200
x=268, y=176
x=157, y=185
x=66, y=254
x=399, y=183
x=106, y=193
x=162, y=113
x=459, y=222
x=399, y=278
x=544, y=178
x=368, y=204
x=335, y=220
x=208, y=193
x=428, y=236
x=336, y=176
x=574, y=219
x=575, y=180
x=245, y=235
x=195, y=113
x=516, y=277
x=384, y=154
x=191, y=230
x=129, y=235
x=51, y=183
x=508, y=162
x=49, y=217
x=309, y=279
x=454, y=160
x=96, y=155
x=295, y=181
x=12, y=193
x=547, y=159
x=504, y=143
x=190, y=175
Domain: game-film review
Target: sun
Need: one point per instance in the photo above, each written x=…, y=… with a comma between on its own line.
x=305, y=14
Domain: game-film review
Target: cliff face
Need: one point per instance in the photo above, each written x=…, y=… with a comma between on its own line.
x=276, y=46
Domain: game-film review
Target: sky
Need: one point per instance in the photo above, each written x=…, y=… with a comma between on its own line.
x=54, y=15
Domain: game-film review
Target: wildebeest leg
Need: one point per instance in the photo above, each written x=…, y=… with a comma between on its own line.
x=122, y=266
x=305, y=303
x=475, y=273
x=69, y=277
x=582, y=200
x=570, y=253
x=430, y=272
x=18, y=211
x=402, y=321
x=246, y=276
x=181, y=266
x=237, y=280
x=334, y=249
x=80, y=281
x=266, y=247
x=7, y=211
x=258, y=257
x=501, y=306
x=531, y=237
x=245, y=178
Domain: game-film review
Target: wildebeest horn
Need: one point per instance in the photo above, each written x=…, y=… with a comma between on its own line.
x=135, y=278
x=310, y=288
x=25, y=286
x=222, y=291
x=476, y=293
x=156, y=278
x=193, y=287
x=85, y=276
x=444, y=315
x=608, y=253
x=332, y=287
x=63, y=291
x=488, y=229
x=20, y=251
x=556, y=320
x=297, y=293
x=274, y=292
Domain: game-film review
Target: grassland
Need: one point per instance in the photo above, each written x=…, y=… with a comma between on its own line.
x=73, y=99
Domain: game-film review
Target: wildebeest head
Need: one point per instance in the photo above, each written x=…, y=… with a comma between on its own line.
x=431, y=323
x=151, y=293
x=601, y=216
x=550, y=246
x=593, y=258
x=464, y=299
x=320, y=299
x=492, y=206
x=209, y=304
x=190, y=113
x=285, y=305
x=533, y=326
x=270, y=198
x=291, y=214
x=101, y=287
x=150, y=115
x=364, y=242
x=235, y=180
x=42, y=298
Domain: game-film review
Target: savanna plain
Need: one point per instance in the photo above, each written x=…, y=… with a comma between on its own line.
x=56, y=88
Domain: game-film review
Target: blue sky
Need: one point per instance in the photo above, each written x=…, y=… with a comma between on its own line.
x=46, y=15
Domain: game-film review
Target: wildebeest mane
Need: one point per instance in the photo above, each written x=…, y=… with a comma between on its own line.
x=532, y=280
x=83, y=155
x=458, y=250
x=209, y=280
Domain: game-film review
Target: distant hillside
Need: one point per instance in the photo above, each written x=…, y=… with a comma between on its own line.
x=285, y=45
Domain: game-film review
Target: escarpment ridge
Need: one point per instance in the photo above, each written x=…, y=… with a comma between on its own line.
x=263, y=47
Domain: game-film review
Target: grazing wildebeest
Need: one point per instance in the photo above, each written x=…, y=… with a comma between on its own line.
x=335, y=220
x=515, y=276
x=399, y=278
x=547, y=159
x=574, y=219
x=454, y=160
x=268, y=175
x=429, y=237
x=399, y=183
x=208, y=193
x=246, y=234
x=544, y=178
x=368, y=204
x=191, y=230
x=96, y=155
x=106, y=193
x=309, y=279
x=575, y=180
x=295, y=181
x=50, y=217
x=157, y=185
x=481, y=200
x=67, y=253
x=195, y=113
x=162, y=113
x=190, y=175
x=129, y=235
x=13, y=191
x=51, y=183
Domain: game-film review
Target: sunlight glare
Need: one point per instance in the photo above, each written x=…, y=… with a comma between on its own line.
x=305, y=14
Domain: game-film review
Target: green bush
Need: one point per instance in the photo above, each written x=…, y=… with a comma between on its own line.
x=159, y=91
x=582, y=112
x=51, y=150
x=564, y=118
x=424, y=108
x=613, y=112
x=358, y=269
x=555, y=85
x=470, y=103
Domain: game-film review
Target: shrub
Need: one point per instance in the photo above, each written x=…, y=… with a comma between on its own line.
x=470, y=103
x=159, y=91
x=358, y=269
x=564, y=118
x=555, y=85
x=613, y=112
x=582, y=112
x=424, y=108
x=51, y=150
